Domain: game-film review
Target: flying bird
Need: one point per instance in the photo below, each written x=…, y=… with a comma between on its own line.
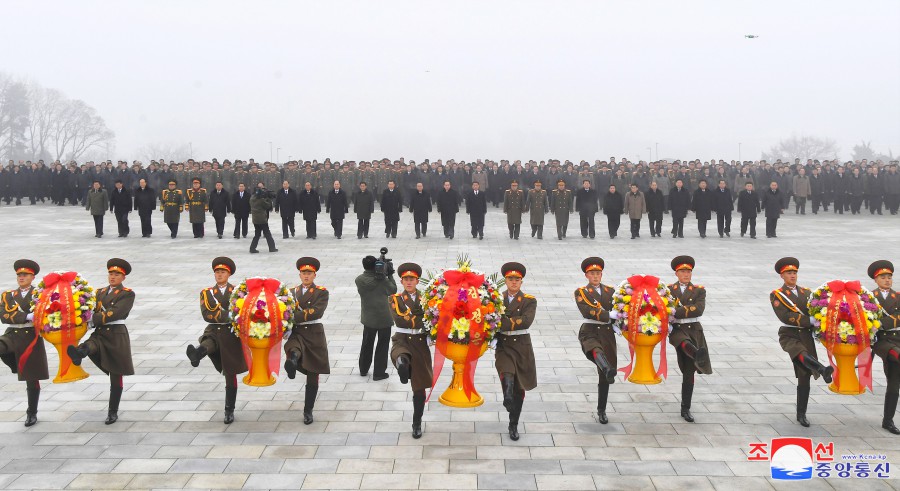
x=750, y=36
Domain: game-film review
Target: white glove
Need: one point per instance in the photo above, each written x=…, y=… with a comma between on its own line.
x=493, y=344
x=29, y=317
x=613, y=315
x=430, y=341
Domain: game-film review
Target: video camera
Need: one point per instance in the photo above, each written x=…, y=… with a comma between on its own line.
x=383, y=265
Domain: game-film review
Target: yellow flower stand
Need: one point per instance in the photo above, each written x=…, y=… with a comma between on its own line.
x=845, y=376
x=644, y=372
x=74, y=372
x=259, y=375
x=455, y=395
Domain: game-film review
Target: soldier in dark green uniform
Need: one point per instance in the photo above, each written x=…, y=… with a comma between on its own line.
x=306, y=348
x=598, y=340
x=561, y=200
x=20, y=346
x=790, y=303
x=197, y=205
x=687, y=332
x=219, y=342
x=538, y=205
x=514, y=359
x=887, y=342
x=513, y=205
x=409, y=345
x=170, y=203
x=109, y=345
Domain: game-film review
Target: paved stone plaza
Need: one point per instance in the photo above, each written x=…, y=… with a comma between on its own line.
x=170, y=432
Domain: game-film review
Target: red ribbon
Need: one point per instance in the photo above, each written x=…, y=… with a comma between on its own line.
x=62, y=283
x=849, y=292
x=266, y=288
x=456, y=281
x=640, y=285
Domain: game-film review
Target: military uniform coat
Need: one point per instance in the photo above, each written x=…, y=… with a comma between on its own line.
x=688, y=304
x=197, y=205
x=888, y=337
x=796, y=333
x=110, y=345
x=595, y=304
x=414, y=346
x=561, y=205
x=170, y=205
x=309, y=339
x=513, y=205
x=228, y=357
x=515, y=354
x=15, y=340
x=538, y=204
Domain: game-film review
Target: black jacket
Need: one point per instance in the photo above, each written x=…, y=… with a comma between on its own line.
x=309, y=205
x=363, y=204
x=679, y=202
x=656, y=202
x=392, y=204
x=286, y=204
x=420, y=206
x=240, y=207
x=772, y=203
x=144, y=200
x=120, y=200
x=336, y=204
x=476, y=204
x=219, y=203
x=613, y=204
x=586, y=201
x=448, y=201
x=723, y=201
x=748, y=203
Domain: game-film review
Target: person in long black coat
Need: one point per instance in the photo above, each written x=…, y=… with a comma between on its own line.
x=336, y=206
x=363, y=206
x=723, y=205
x=420, y=207
x=773, y=205
x=839, y=190
x=702, y=205
x=219, y=207
x=240, y=208
x=121, y=204
x=679, y=204
x=613, y=208
x=748, y=207
x=476, y=207
x=587, y=203
x=391, y=206
x=310, y=207
x=286, y=206
x=448, y=206
x=656, y=207
x=144, y=203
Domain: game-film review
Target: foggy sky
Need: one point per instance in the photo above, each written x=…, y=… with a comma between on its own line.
x=465, y=80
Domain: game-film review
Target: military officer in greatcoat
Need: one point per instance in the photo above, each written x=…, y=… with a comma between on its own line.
x=197, y=205
x=219, y=341
x=514, y=359
x=171, y=202
x=561, y=200
x=887, y=343
x=598, y=340
x=409, y=344
x=687, y=332
x=109, y=345
x=306, y=348
x=790, y=303
x=20, y=346
x=513, y=205
x=537, y=204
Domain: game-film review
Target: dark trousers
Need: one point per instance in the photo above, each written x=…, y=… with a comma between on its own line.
x=855, y=204
x=287, y=225
x=892, y=202
x=199, y=229
x=173, y=229
x=771, y=225
x=390, y=227
x=380, y=349
x=655, y=223
x=477, y=222
x=800, y=205
x=122, y=222
x=678, y=227
x=311, y=228
x=635, y=227
x=701, y=227
x=587, y=224
x=146, y=224
x=421, y=227
x=362, y=227
x=839, y=203
x=98, y=224
x=240, y=226
x=816, y=200
x=448, y=222
x=612, y=223
x=875, y=202
x=262, y=229
x=723, y=223
x=220, y=225
x=751, y=220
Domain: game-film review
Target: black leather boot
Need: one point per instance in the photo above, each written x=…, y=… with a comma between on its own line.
x=230, y=399
x=687, y=392
x=291, y=364
x=816, y=367
x=508, y=382
x=403, y=368
x=34, y=394
x=802, y=403
x=890, y=407
x=418, y=411
x=602, y=395
x=608, y=373
x=196, y=354
x=309, y=402
x=77, y=354
x=699, y=355
x=115, y=395
x=514, y=417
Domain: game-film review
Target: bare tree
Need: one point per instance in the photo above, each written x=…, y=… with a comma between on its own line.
x=46, y=106
x=179, y=152
x=865, y=151
x=802, y=147
x=76, y=129
x=13, y=117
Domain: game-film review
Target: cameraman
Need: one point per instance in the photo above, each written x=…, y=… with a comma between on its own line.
x=260, y=205
x=375, y=287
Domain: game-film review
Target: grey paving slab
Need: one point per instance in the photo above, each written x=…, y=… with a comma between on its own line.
x=170, y=433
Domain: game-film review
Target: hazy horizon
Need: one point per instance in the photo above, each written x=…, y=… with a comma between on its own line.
x=500, y=80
